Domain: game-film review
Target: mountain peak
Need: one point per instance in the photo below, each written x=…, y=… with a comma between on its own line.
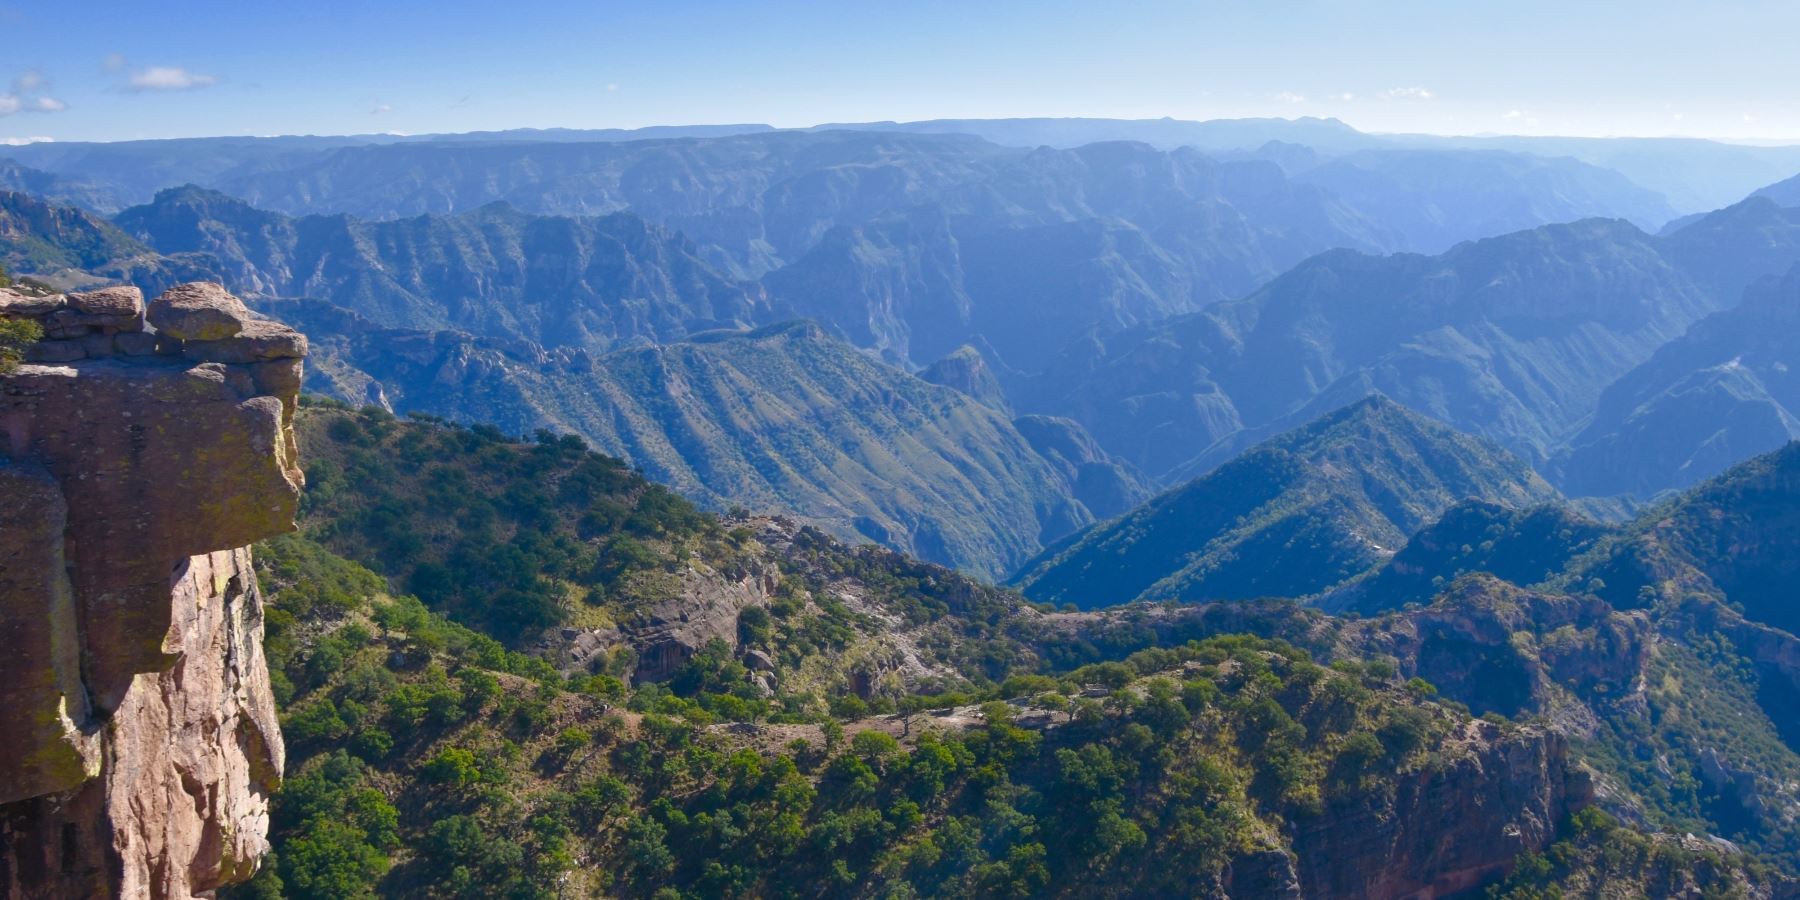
x=967, y=371
x=1293, y=516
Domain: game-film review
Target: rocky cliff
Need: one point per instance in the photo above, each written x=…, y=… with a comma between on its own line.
x=138, y=736
x=1449, y=829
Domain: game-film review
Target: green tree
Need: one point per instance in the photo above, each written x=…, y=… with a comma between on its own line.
x=454, y=766
x=16, y=336
x=331, y=860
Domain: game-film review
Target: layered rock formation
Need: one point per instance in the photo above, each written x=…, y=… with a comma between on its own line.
x=138, y=736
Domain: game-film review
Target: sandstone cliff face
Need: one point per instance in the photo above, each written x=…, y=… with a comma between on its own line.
x=138, y=736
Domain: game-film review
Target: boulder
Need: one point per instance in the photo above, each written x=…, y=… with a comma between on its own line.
x=259, y=339
x=759, y=661
x=65, y=323
x=113, y=301
x=135, y=343
x=97, y=346
x=201, y=311
x=13, y=303
x=54, y=352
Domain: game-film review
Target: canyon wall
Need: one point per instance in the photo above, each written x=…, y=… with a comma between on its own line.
x=141, y=452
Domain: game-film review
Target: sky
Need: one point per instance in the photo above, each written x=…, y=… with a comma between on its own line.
x=81, y=70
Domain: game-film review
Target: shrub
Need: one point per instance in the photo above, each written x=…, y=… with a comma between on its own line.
x=16, y=336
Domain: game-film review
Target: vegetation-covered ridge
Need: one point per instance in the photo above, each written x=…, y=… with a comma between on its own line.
x=427, y=760
x=1294, y=516
x=552, y=547
x=782, y=418
x=1679, y=681
x=859, y=724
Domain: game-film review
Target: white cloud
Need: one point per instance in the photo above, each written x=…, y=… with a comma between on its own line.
x=1514, y=114
x=381, y=109
x=22, y=141
x=1410, y=93
x=169, y=78
x=1290, y=97
x=27, y=95
x=1345, y=96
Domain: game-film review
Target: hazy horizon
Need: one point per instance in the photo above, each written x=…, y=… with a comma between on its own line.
x=1534, y=68
x=20, y=140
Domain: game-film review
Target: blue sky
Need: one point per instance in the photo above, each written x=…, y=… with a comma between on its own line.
x=80, y=70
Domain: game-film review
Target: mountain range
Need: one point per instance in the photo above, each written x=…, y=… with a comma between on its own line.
x=912, y=240
x=1719, y=394
x=1784, y=193
x=588, y=282
x=37, y=237
x=680, y=625
x=779, y=419
x=1694, y=175
x=1292, y=517
x=1499, y=359
x=1511, y=338
x=1100, y=299
x=987, y=508
x=1658, y=650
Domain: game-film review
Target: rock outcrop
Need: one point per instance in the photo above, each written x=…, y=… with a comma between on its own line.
x=703, y=606
x=138, y=735
x=1445, y=830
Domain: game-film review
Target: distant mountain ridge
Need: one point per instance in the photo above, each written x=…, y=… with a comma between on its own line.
x=1696, y=175
x=1438, y=198
x=1511, y=338
x=593, y=283
x=912, y=244
x=909, y=245
x=1292, y=517
x=1725, y=391
x=781, y=418
x=36, y=236
x=57, y=189
x=1785, y=193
